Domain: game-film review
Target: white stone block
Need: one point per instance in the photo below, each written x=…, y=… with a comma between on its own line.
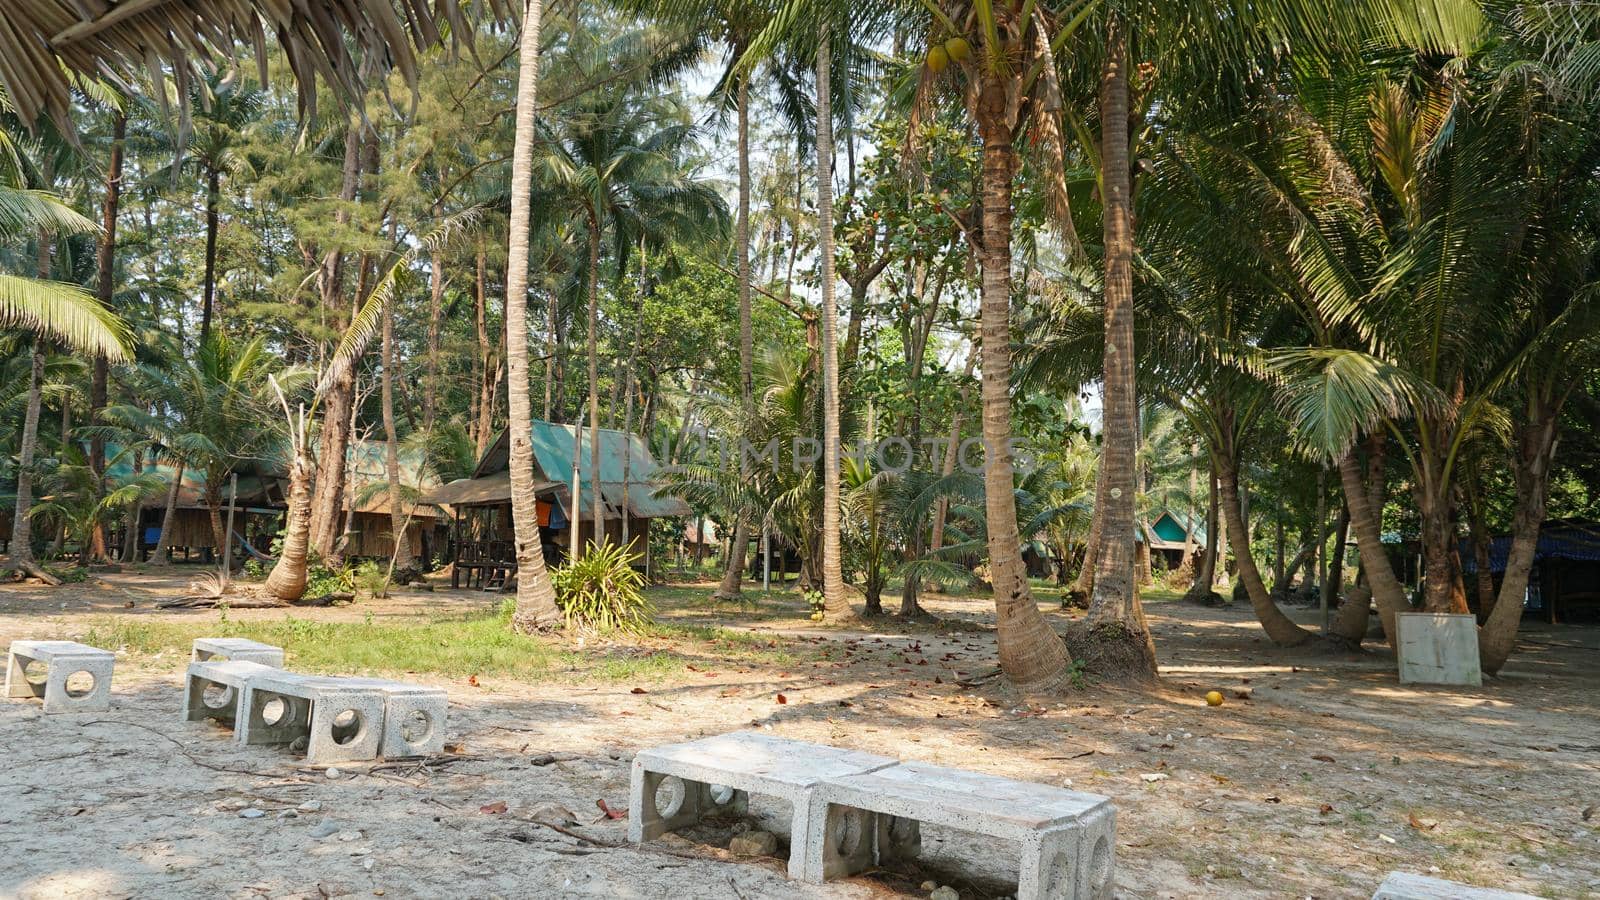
x=1438, y=648
x=213, y=689
x=63, y=659
x=238, y=650
x=716, y=775
x=1066, y=840
x=338, y=721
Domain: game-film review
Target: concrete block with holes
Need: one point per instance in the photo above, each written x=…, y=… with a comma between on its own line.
x=1066, y=840
x=63, y=662
x=413, y=717
x=213, y=689
x=337, y=721
x=236, y=650
x=677, y=785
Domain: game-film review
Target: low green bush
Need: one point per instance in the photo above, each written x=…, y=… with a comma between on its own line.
x=602, y=591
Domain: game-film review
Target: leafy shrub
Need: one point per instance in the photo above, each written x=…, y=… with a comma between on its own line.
x=368, y=575
x=602, y=591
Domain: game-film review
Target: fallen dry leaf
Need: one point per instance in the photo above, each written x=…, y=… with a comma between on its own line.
x=638, y=690
x=782, y=699
x=1325, y=808
x=1323, y=757
x=472, y=680
x=493, y=809
x=611, y=813
x=1422, y=824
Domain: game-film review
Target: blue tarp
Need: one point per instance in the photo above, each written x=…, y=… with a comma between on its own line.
x=1556, y=541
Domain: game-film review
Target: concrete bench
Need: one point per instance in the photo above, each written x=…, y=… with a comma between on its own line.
x=337, y=720
x=237, y=650
x=1067, y=839
x=413, y=716
x=213, y=689
x=677, y=785
x=63, y=659
x=1405, y=886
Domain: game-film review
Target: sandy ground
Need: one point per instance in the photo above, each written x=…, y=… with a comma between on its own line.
x=1326, y=776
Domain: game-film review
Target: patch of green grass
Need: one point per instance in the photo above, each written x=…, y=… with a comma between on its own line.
x=453, y=646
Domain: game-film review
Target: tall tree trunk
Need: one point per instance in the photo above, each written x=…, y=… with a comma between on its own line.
x=169, y=518
x=552, y=340
x=1205, y=574
x=130, y=529
x=833, y=588
x=287, y=581
x=208, y=295
x=1442, y=589
x=398, y=518
x=1536, y=446
x=1280, y=629
x=536, y=597
x=1032, y=656
x=488, y=360
x=948, y=466
x=1115, y=601
x=213, y=501
x=22, y=518
x=1387, y=592
x=597, y=515
x=339, y=399
x=734, y=570
x=105, y=292
x=430, y=392
x=1083, y=585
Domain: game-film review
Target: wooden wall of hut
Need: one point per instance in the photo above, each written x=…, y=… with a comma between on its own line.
x=372, y=535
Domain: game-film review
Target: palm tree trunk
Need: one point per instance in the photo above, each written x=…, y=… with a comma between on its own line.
x=488, y=359
x=130, y=530
x=398, y=519
x=597, y=517
x=1333, y=579
x=169, y=518
x=1083, y=586
x=1114, y=603
x=338, y=402
x=287, y=581
x=1032, y=656
x=833, y=590
x=536, y=598
x=1280, y=629
x=208, y=295
x=22, y=519
x=105, y=291
x=430, y=392
x=1205, y=574
x=734, y=571
x=1387, y=592
x=1442, y=588
x=1536, y=443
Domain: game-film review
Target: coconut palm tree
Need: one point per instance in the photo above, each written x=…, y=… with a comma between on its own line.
x=536, y=599
x=214, y=416
x=621, y=161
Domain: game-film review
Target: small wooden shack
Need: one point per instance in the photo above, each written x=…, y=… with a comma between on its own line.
x=257, y=511
x=1171, y=536
x=481, y=526
x=369, y=532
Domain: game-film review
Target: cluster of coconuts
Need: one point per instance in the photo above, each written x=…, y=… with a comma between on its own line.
x=940, y=56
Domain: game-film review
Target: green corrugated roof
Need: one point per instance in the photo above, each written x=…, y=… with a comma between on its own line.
x=552, y=452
